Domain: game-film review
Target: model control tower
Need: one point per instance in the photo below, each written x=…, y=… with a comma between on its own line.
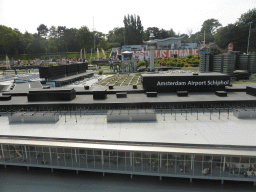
x=151, y=47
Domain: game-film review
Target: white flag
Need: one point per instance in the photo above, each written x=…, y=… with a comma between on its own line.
x=98, y=54
x=104, y=56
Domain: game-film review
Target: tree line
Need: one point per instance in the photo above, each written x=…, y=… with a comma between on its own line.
x=63, y=39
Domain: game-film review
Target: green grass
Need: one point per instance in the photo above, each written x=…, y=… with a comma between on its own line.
x=70, y=55
x=190, y=68
x=242, y=82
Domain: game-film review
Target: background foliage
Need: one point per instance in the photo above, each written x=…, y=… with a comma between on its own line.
x=55, y=40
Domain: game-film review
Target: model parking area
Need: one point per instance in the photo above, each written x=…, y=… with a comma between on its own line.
x=121, y=81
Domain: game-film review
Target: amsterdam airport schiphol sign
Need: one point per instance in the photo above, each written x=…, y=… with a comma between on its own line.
x=192, y=83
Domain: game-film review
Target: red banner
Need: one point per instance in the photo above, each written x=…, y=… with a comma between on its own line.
x=167, y=53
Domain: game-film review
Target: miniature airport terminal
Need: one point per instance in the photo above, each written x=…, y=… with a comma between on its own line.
x=172, y=124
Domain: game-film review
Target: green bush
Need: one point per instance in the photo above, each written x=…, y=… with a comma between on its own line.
x=141, y=63
x=157, y=61
x=179, y=62
x=100, y=72
x=195, y=61
x=162, y=63
x=194, y=65
x=168, y=63
x=189, y=56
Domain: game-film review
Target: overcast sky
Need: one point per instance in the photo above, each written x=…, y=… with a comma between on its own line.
x=181, y=16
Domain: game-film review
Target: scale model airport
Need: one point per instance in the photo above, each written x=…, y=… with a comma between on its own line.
x=175, y=124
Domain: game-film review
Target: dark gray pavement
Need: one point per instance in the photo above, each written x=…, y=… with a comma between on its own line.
x=138, y=98
x=18, y=179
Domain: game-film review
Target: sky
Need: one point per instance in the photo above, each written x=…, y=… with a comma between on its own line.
x=105, y=15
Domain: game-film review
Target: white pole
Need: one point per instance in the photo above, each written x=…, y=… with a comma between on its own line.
x=93, y=35
x=224, y=163
x=204, y=38
x=131, y=158
x=75, y=155
x=249, y=38
x=151, y=60
x=26, y=152
x=2, y=151
x=192, y=156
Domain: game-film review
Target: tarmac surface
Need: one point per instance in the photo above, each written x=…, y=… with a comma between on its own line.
x=19, y=179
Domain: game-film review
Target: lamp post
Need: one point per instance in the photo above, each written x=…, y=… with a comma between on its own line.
x=249, y=38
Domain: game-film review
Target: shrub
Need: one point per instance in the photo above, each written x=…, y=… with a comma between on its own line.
x=180, y=64
x=100, y=72
x=189, y=56
x=194, y=65
x=141, y=63
x=195, y=61
x=168, y=63
x=157, y=61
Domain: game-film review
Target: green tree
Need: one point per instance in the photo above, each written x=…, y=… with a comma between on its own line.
x=42, y=30
x=53, y=33
x=164, y=34
x=103, y=44
x=245, y=19
x=210, y=27
x=198, y=37
x=11, y=41
x=37, y=44
x=250, y=16
x=60, y=40
x=171, y=33
x=139, y=31
x=53, y=40
x=98, y=37
x=20, y=42
x=61, y=30
x=69, y=39
x=116, y=37
x=155, y=31
x=28, y=39
x=133, y=30
x=158, y=33
x=238, y=33
x=186, y=38
x=84, y=38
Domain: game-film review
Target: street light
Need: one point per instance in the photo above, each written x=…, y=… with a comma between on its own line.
x=249, y=37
